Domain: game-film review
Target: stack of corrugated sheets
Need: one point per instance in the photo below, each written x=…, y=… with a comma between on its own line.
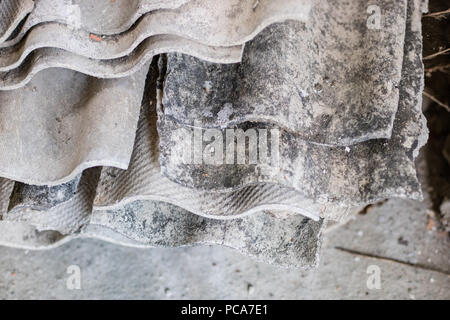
x=243, y=123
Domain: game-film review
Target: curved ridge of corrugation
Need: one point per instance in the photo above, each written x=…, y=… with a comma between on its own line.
x=64, y=122
x=51, y=11
x=364, y=173
x=143, y=181
x=41, y=198
x=159, y=22
x=45, y=58
x=330, y=80
x=12, y=12
x=329, y=175
x=292, y=241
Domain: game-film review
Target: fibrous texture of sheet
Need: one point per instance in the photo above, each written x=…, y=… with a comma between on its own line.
x=12, y=12
x=45, y=58
x=237, y=123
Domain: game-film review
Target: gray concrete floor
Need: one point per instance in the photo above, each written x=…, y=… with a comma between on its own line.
x=398, y=237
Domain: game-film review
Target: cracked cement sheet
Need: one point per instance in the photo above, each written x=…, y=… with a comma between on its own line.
x=103, y=17
x=12, y=12
x=363, y=173
x=214, y=23
x=330, y=80
x=292, y=241
x=63, y=122
x=44, y=58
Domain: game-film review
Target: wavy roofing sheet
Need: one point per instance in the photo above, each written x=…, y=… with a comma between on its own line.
x=225, y=23
x=28, y=197
x=104, y=17
x=45, y=58
x=363, y=173
x=293, y=241
x=12, y=12
x=63, y=122
x=143, y=181
x=330, y=80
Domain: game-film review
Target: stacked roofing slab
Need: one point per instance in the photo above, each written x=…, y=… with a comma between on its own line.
x=117, y=119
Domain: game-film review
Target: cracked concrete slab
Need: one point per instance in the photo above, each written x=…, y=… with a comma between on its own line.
x=399, y=232
x=330, y=80
x=63, y=122
x=45, y=58
x=223, y=24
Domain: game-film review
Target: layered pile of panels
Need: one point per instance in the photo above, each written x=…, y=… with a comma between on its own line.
x=99, y=101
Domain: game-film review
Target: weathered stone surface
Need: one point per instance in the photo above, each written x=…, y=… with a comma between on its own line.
x=330, y=80
x=97, y=16
x=12, y=12
x=225, y=23
x=44, y=58
x=63, y=122
x=363, y=173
